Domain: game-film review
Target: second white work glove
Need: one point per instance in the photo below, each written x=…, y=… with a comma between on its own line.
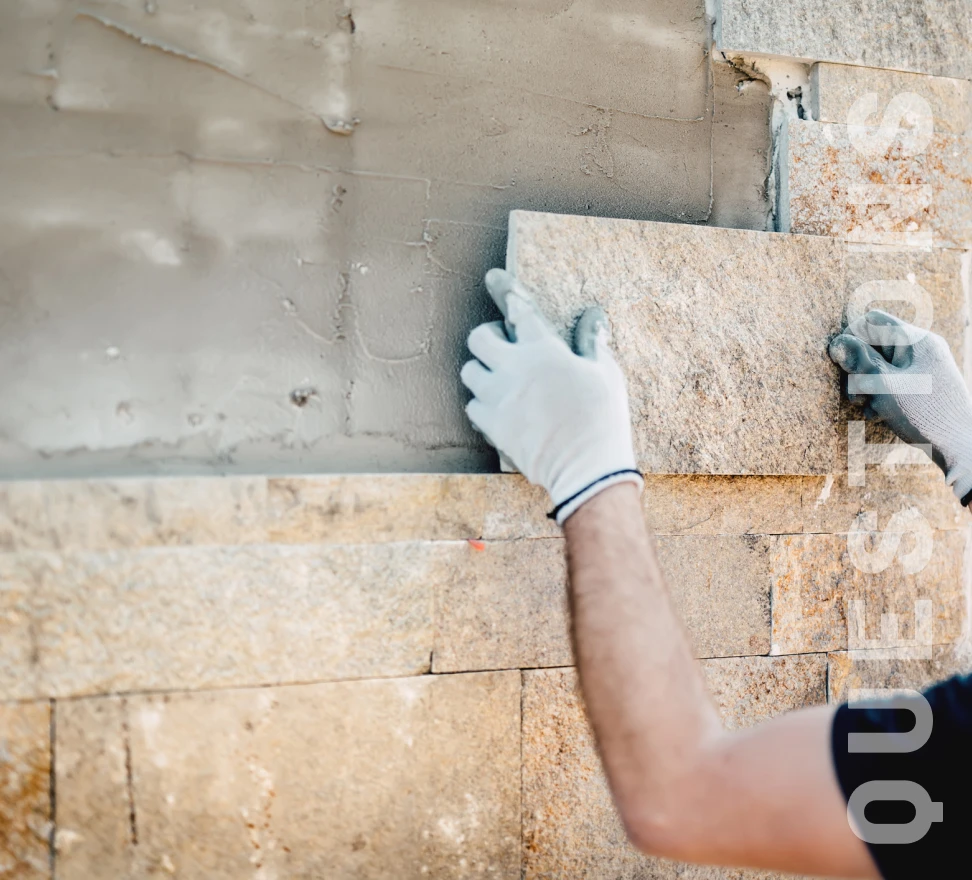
x=907, y=378
x=560, y=417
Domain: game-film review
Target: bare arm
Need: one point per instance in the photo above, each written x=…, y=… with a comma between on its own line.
x=685, y=788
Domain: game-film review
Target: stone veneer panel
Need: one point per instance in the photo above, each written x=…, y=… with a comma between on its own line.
x=378, y=779
x=815, y=576
x=702, y=402
x=867, y=669
x=82, y=623
x=570, y=827
x=25, y=791
x=836, y=88
x=705, y=505
x=506, y=606
x=926, y=36
x=891, y=194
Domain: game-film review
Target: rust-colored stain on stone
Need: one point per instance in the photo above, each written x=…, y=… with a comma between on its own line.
x=25, y=791
x=902, y=194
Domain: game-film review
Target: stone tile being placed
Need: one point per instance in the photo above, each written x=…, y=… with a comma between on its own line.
x=926, y=36
x=505, y=607
x=379, y=779
x=816, y=576
x=721, y=333
x=89, y=623
x=25, y=790
x=570, y=826
x=837, y=89
x=868, y=670
x=869, y=186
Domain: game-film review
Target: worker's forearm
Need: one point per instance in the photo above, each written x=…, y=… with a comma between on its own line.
x=645, y=697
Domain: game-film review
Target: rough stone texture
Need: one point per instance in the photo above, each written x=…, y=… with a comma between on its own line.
x=226, y=265
x=706, y=505
x=380, y=779
x=926, y=36
x=815, y=576
x=831, y=506
x=846, y=671
x=570, y=827
x=361, y=509
x=166, y=511
x=25, y=791
x=836, y=88
x=115, y=514
x=506, y=607
x=703, y=404
x=892, y=196
x=82, y=623
x=97, y=823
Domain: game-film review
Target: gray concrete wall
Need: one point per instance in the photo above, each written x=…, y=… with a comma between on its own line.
x=251, y=238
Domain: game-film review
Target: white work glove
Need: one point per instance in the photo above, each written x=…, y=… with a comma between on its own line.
x=907, y=378
x=561, y=418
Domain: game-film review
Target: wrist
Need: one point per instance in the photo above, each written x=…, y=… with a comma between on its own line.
x=628, y=478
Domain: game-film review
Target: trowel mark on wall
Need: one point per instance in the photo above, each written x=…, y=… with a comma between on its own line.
x=227, y=41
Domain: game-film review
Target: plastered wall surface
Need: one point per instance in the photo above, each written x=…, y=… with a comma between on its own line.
x=251, y=236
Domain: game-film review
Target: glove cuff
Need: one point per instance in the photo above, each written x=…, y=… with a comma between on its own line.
x=563, y=510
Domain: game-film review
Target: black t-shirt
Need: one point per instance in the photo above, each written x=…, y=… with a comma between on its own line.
x=911, y=748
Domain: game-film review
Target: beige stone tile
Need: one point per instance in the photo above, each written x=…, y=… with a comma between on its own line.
x=702, y=408
x=20, y=671
x=209, y=617
x=703, y=505
x=113, y=514
x=25, y=790
x=837, y=88
x=570, y=827
x=505, y=607
x=517, y=509
x=378, y=779
x=865, y=669
x=375, y=509
x=889, y=196
x=829, y=505
x=97, y=823
x=816, y=576
x=927, y=36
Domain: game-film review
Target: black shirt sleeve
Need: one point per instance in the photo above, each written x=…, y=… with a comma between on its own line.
x=941, y=766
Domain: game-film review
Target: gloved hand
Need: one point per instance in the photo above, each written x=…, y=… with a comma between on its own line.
x=907, y=378
x=561, y=418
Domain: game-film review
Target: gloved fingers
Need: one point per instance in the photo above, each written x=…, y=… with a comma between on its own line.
x=524, y=320
x=479, y=416
x=488, y=344
x=592, y=334
x=854, y=356
x=529, y=323
x=891, y=336
x=479, y=380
